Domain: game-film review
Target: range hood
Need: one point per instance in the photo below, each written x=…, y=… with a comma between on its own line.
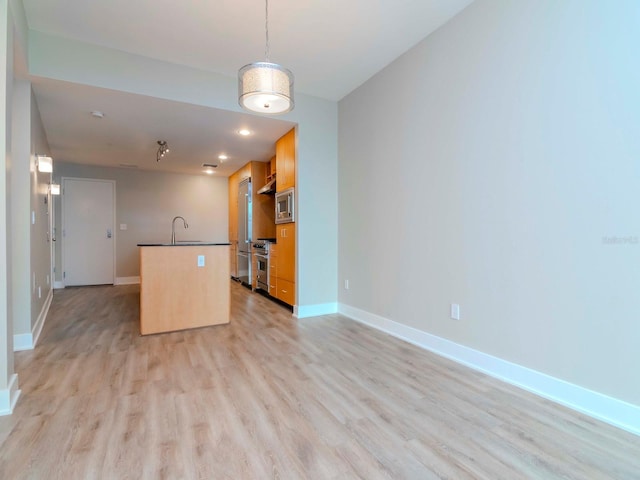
x=270, y=187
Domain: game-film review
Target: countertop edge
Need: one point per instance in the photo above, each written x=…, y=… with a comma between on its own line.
x=183, y=244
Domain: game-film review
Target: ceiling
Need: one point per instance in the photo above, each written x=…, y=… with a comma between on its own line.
x=331, y=46
x=128, y=133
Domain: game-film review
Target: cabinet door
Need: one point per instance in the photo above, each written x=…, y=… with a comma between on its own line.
x=272, y=168
x=233, y=224
x=273, y=270
x=262, y=206
x=273, y=286
x=286, y=291
x=286, y=161
x=233, y=261
x=286, y=259
x=233, y=209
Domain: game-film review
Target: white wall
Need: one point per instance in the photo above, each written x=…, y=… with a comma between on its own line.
x=12, y=37
x=40, y=237
x=490, y=166
x=20, y=229
x=31, y=246
x=6, y=317
x=146, y=202
x=316, y=225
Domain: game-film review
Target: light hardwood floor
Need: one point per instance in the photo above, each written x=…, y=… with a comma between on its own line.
x=271, y=397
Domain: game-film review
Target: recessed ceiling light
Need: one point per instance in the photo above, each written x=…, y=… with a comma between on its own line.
x=209, y=171
x=97, y=114
x=222, y=156
x=244, y=132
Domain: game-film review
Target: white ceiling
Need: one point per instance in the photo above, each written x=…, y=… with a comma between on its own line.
x=132, y=124
x=331, y=46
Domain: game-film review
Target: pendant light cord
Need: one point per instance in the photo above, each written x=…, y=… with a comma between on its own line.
x=266, y=29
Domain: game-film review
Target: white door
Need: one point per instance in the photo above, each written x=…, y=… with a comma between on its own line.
x=87, y=231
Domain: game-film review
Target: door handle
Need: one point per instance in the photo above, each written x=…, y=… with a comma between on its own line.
x=108, y=233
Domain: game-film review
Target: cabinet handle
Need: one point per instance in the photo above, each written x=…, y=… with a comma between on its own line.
x=284, y=291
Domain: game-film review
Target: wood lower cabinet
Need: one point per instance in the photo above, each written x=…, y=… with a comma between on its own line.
x=273, y=287
x=233, y=260
x=273, y=270
x=282, y=264
x=183, y=286
x=286, y=235
x=286, y=291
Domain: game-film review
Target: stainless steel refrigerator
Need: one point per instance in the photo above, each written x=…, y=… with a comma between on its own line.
x=244, y=232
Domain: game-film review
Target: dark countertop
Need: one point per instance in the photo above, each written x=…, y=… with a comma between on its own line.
x=270, y=240
x=182, y=244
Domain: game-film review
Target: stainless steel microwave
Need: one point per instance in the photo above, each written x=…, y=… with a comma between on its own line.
x=285, y=206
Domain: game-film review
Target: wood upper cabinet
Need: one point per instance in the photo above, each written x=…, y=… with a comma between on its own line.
x=286, y=161
x=286, y=258
x=272, y=168
x=244, y=172
x=262, y=206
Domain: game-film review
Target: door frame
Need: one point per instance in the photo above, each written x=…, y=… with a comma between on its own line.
x=63, y=222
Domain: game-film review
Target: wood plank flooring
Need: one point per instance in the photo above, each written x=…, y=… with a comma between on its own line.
x=271, y=397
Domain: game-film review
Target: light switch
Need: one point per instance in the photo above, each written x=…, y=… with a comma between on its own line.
x=455, y=311
x=201, y=260
x=33, y=217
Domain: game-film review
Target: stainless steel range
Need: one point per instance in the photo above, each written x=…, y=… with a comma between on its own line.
x=261, y=254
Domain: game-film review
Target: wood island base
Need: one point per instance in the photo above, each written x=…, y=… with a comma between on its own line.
x=183, y=286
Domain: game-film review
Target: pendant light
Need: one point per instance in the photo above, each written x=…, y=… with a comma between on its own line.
x=265, y=87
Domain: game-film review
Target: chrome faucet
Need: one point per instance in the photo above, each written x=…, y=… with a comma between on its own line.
x=173, y=228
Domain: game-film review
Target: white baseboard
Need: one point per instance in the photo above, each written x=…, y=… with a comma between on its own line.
x=610, y=410
x=127, y=280
x=9, y=396
x=58, y=285
x=22, y=341
x=37, y=328
x=305, y=311
x=27, y=341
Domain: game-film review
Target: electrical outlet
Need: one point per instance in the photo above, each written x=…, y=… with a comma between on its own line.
x=346, y=284
x=455, y=311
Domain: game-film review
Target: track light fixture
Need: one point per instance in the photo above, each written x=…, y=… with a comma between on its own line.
x=163, y=149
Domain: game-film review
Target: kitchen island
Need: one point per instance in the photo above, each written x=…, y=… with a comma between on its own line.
x=183, y=285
